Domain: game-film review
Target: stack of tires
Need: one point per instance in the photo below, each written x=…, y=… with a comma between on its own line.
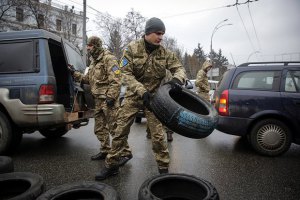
x=18, y=185
x=30, y=186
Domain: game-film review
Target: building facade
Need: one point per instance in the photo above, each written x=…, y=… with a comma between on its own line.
x=62, y=20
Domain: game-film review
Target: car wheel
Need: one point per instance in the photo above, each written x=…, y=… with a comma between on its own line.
x=177, y=186
x=21, y=186
x=184, y=112
x=82, y=190
x=270, y=137
x=9, y=138
x=6, y=164
x=54, y=132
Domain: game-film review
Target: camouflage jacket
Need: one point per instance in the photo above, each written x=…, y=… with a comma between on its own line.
x=103, y=76
x=202, y=84
x=143, y=72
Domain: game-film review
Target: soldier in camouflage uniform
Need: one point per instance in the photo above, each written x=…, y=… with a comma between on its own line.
x=143, y=66
x=202, y=80
x=104, y=78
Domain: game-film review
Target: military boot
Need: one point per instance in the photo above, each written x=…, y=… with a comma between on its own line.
x=99, y=156
x=107, y=172
x=124, y=159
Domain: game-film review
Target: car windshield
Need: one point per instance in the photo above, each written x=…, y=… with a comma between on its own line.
x=74, y=58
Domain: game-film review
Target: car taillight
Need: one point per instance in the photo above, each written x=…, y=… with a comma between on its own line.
x=223, y=103
x=46, y=94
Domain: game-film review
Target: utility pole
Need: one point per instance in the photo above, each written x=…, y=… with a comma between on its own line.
x=84, y=33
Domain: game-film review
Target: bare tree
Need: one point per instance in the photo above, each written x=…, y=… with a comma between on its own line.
x=112, y=33
x=171, y=44
x=134, y=24
x=7, y=5
x=40, y=12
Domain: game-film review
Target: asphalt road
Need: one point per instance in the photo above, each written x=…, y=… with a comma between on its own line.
x=223, y=160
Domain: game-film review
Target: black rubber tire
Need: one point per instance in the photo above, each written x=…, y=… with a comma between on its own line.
x=53, y=133
x=6, y=164
x=270, y=137
x=177, y=186
x=21, y=186
x=81, y=190
x=184, y=112
x=10, y=138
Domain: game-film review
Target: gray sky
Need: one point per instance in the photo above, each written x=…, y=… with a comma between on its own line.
x=277, y=25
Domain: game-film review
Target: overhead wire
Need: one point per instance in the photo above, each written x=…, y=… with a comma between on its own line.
x=258, y=41
x=237, y=3
x=193, y=12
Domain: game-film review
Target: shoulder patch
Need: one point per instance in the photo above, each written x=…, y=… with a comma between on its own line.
x=124, y=62
x=116, y=70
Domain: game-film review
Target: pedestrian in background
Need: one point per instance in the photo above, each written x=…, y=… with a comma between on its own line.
x=202, y=80
x=104, y=78
x=143, y=66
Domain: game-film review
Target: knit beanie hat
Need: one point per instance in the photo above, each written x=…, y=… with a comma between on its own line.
x=154, y=25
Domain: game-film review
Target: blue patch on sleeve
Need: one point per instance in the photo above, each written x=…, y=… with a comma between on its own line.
x=116, y=69
x=124, y=62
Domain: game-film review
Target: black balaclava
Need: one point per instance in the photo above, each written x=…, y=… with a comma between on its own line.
x=97, y=44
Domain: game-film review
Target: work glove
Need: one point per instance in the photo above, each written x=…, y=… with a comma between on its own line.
x=110, y=102
x=146, y=100
x=71, y=69
x=176, y=84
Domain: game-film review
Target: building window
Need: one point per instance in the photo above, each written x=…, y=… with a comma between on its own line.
x=58, y=25
x=19, y=14
x=41, y=20
x=74, y=29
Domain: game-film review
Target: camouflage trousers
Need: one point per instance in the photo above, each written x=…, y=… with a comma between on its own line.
x=105, y=125
x=125, y=119
x=103, y=118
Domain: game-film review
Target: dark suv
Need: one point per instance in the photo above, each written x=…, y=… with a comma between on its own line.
x=261, y=102
x=37, y=92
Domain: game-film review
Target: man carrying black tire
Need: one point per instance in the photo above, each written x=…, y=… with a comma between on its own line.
x=144, y=64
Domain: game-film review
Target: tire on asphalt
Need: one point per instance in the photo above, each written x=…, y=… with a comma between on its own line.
x=21, y=186
x=184, y=112
x=6, y=164
x=81, y=190
x=270, y=137
x=177, y=186
x=10, y=137
x=53, y=133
